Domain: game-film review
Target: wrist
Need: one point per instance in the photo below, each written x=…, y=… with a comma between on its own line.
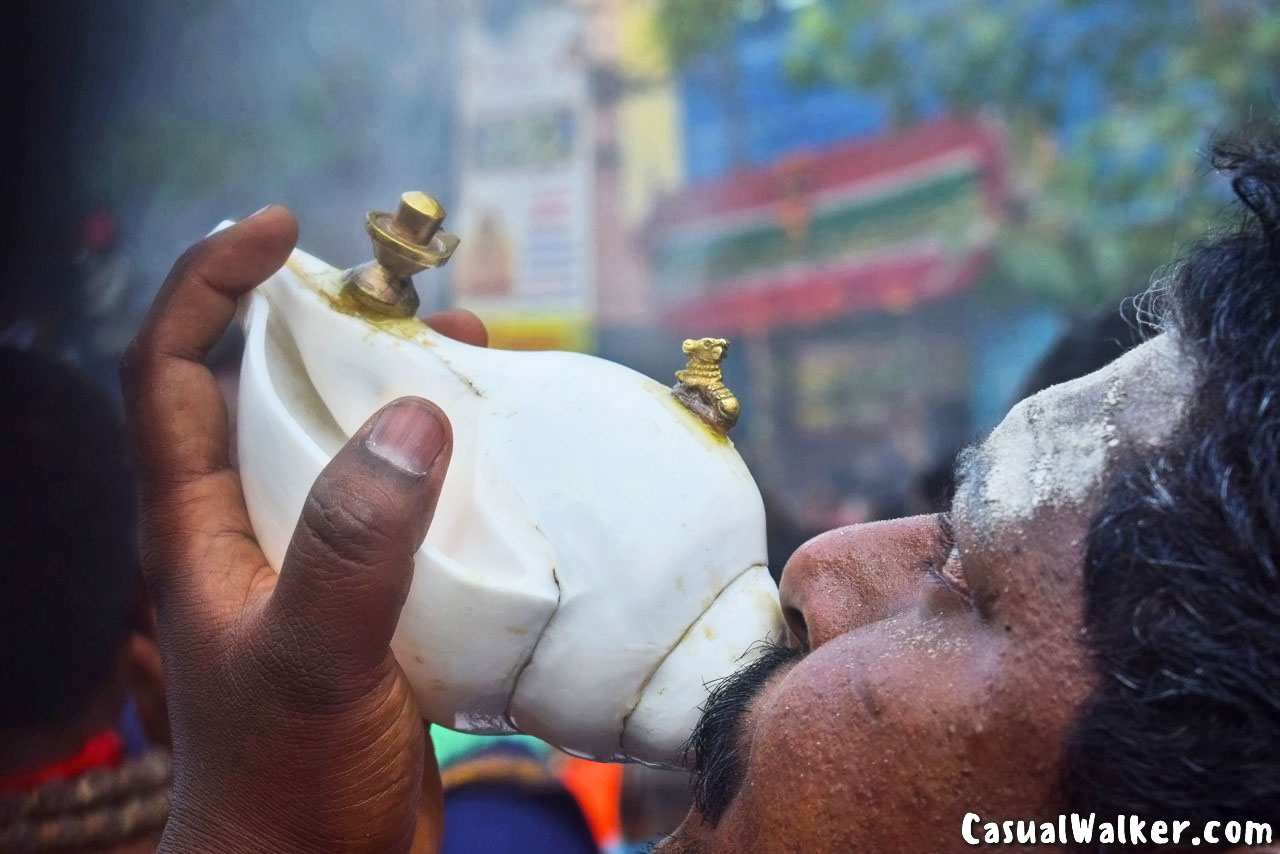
x=252, y=826
x=196, y=830
x=198, y=823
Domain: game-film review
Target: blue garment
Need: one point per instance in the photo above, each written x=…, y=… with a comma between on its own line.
x=508, y=818
x=136, y=743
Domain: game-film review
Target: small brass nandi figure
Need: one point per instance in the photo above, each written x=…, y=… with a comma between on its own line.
x=701, y=385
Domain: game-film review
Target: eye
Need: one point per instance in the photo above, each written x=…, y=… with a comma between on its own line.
x=945, y=567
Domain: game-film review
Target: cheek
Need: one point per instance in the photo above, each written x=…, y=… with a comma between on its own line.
x=885, y=739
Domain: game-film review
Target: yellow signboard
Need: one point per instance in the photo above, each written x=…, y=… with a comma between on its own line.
x=521, y=331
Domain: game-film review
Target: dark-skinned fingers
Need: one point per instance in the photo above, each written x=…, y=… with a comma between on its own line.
x=348, y=568
x=460, y=325
x=176, y=414
x=191, y=499
x=198, y=298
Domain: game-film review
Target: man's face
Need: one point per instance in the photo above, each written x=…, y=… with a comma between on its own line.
x=944, y=659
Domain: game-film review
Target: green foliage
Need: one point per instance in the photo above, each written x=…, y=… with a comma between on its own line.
x=689, y=28
x=1116, y=194
x=1107, y=104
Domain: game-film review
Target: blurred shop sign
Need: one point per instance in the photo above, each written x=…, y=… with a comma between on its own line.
x=525, y=264
x=880, y=225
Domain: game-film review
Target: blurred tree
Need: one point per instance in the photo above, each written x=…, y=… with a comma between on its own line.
x=1106, y=102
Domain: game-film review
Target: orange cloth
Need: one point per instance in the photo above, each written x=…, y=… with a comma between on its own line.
x=597, y=786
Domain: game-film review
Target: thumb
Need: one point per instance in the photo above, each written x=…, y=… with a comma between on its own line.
x=348, y=568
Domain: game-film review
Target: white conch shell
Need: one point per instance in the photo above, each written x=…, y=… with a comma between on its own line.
x=598, y=554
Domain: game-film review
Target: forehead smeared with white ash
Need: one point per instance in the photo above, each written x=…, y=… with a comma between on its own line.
x=1055, y=448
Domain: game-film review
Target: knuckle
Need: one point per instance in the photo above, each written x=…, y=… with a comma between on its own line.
x=191, y=261
x=301, y=671
x=134, y=365
x=351, y=529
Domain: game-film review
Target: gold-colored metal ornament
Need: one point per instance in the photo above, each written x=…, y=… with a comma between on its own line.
x=701, y=385
x=403, y=244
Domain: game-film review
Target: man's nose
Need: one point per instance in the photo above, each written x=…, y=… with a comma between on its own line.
x=853, y=576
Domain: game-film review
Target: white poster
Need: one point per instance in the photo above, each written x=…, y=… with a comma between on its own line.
x=526, y=259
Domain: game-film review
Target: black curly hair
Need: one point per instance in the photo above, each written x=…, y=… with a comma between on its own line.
x=1181, y=576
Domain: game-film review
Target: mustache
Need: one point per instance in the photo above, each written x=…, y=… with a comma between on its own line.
x=716, y=742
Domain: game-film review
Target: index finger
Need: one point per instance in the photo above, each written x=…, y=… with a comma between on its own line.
x=177, y=417
x=172, y=400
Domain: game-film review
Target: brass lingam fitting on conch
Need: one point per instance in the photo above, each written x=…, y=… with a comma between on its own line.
x=403, y=244
x=701, y=385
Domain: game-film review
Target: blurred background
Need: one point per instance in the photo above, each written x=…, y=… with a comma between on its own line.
x=892, y=209
x=904, y=215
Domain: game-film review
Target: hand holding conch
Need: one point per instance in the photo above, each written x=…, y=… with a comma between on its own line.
x=294, y=728
x=598, y=557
